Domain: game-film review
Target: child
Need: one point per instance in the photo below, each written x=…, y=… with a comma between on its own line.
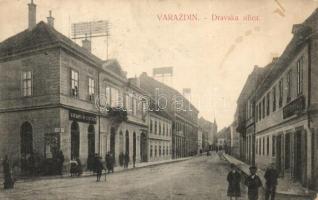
x=234, y=179
x=253, y=182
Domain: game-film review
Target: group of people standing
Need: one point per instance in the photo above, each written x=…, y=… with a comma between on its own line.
x=253, y=183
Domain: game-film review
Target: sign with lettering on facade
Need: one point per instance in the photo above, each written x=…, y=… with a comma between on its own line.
x=82, y=116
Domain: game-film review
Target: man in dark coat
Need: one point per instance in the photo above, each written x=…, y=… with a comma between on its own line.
x=271, y=176
x=99, y=168
x=111, y=162
x=8, y=181
x=253, y=182
x=234, y=179
x=60, y=161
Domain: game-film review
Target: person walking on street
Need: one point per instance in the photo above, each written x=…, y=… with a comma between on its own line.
x=99, y=168
x=8, y=181
x=271, y=176
x=112, y=162
x=234, y=179
x=253, y=182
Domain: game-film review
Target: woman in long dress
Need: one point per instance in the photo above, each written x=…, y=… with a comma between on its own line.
x=234, y=179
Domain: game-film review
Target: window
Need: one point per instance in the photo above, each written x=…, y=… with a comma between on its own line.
x=274, y=98
x=267, y=104
x=260, y=111
x=91, y=88
x=264, y=107
x=300, y=76
x=114, y=96
x=163, y=129
x=167, y=151
x=256, y=113
x=151, y=151
x=256, y=149
x=163, y=151
x=273, y=145
x=159, y=150
x=260, y=146
x=159, y=128
x=150, y=126
x=280, y=88
x=288, y=86
x=74, y=83
x=156, y=151
x=155, y=127
x=263, y=145
x=267, y=149
x=27, y=83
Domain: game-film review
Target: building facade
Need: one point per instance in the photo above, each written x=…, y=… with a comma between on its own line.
x=285, y=109
x=53, y=97
x=184, y=115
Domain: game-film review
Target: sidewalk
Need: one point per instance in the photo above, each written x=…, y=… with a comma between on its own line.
x=116, y=170
x=285, y=186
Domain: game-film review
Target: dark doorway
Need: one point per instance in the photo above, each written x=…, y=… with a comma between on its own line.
x=279, y=153
x=112, y=140
x=143, y=147
x=91, y=140
x=26, y=145
x=287, y=151
x=75, y=140
x=127, y=142
x=134, y=145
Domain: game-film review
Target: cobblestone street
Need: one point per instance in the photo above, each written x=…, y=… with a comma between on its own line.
x=197, y=178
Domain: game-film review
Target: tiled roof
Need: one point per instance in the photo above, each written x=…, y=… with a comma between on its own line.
x=42, y=35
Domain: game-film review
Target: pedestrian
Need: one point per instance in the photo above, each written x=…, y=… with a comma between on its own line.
x=253, y=182
x=60, y=161
x=99, y=168
x=8, y=181
x=73, y=167
x=79, y=169
x=271, y=176
x=112, y=162
x=234, y=179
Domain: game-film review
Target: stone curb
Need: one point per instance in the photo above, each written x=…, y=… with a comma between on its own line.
x=310, y=195
x=88, y=174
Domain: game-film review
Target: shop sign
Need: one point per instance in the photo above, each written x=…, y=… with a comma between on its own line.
x=82, y=116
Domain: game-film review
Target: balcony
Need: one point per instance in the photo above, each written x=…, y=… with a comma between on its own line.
x=294, y=107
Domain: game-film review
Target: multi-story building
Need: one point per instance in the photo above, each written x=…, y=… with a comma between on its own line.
x=160, y=135
x=245, y=113
x=209, y=133
x=184, y=115
x=52, y=95
x=224, y=140
x=285, y=108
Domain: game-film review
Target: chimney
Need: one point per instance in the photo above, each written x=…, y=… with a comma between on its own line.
x=87, y=44
x=274, y=59
x=50, y=19
x=32, y=15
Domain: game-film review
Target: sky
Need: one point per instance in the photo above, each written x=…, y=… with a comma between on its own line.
x=211, y=56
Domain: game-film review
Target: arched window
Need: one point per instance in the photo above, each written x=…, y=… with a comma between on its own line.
x=26, y=136
x=75, y=140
